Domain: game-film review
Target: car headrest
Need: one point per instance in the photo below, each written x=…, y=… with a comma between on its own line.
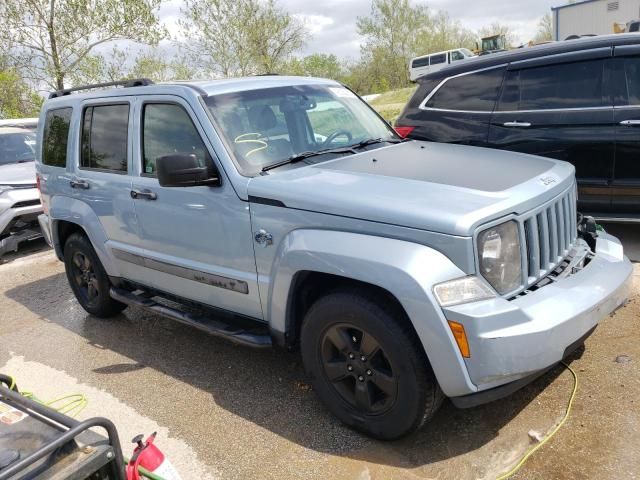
x=262, y=117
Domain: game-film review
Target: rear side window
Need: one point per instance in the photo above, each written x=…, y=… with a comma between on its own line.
x=436, y=59
x=168, y=129
x=475, y=92
x=632, y=79
x=104, y=138
x=420, y=62
x=56, y=137
x=570, y=85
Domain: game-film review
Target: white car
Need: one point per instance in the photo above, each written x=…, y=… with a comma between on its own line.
x=433, y=62
x=19, y=198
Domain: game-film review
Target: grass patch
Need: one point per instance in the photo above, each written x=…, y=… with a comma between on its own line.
x=393, y=96
x=391, y=103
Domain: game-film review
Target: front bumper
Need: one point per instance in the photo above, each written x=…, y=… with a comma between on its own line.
x=510, y=340
x=19, y=209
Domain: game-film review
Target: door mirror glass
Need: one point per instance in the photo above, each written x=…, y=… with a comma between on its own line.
x=185, y=170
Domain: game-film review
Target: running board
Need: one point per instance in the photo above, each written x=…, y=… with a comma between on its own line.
x=257, y=338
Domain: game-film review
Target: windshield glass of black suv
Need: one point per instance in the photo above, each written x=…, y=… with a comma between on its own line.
x=267, y=126
x=17, y=147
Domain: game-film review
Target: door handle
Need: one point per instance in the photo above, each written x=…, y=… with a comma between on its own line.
x=83, y=184
x=148, y=194
x=517, y=124
x=630, y=123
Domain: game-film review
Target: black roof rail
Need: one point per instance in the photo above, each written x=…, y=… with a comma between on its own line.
x=136, y=82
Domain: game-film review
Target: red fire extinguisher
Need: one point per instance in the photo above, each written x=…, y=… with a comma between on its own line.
x=149, y=457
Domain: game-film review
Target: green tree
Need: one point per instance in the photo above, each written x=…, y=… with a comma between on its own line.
x=545, y=29
x=17, y=99
x=119, y=64
x=50, y=38
x=443, y=33
x=239, y=37
x=390, y=33
x=316, y=65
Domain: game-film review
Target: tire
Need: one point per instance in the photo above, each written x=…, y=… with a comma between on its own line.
x=87, y=278
x=387, y=395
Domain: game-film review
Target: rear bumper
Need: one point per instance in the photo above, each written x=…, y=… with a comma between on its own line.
x=512, y=340
x=45, y=226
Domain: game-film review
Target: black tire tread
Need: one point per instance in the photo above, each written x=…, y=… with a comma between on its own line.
x=399, y=325
x=108, y=307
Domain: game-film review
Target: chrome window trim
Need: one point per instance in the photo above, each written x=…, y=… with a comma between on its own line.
x=423, y=104
x=573, y=109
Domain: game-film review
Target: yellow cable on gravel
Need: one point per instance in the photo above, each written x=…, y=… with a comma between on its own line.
x=553, y=432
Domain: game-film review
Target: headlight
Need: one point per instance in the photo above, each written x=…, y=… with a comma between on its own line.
x=499, y=256
x=462, y=290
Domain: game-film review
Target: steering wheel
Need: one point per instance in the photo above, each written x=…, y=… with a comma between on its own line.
x=335, y=135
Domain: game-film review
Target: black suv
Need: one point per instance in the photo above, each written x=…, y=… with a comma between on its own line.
x=576, y=100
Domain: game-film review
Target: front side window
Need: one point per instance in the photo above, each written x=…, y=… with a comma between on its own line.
x=56, y=137
x=105, y=138
x=167, y=129
x=476, y=92
x=265, y=126
x=570, y=85
x=456, y=55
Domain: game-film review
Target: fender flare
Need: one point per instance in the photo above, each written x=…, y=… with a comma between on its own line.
x=75, y=211
x=407, y=270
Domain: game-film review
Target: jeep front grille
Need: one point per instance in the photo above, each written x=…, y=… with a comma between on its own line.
x=548, y=234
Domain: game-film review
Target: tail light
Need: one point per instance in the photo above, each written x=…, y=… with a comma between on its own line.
x=404, y=131
x=45, y=208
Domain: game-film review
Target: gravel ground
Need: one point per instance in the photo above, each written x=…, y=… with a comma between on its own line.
x=228, y=412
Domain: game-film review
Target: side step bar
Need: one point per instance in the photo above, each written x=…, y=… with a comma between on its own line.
x=256, y=338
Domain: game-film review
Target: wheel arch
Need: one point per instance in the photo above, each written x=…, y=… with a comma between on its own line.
x=310, y=263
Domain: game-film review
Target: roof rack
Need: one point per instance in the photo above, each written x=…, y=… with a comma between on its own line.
x=137, y=82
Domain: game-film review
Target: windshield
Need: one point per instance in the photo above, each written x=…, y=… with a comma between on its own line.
x=17, y=147
x=467, y=52
x=270, y=125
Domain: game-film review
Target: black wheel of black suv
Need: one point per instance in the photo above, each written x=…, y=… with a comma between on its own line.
x=87, y=278
x=367, y=366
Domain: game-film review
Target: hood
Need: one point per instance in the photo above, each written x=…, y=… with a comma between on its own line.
x=18, y=174
x=443, y=188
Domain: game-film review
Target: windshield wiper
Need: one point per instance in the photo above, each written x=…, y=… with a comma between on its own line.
x=348, y=149
x=301, y=156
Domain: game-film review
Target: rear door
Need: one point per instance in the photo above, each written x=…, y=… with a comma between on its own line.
x=625, y=195
x=101, y=178
x=558, y=107
x=458, y=109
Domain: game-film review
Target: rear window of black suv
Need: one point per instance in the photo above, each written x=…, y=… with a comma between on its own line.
x=475, y=92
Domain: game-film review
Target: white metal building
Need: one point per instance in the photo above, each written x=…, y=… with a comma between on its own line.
x=592, y=17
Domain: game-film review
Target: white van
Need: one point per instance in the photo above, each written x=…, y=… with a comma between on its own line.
x=433, y=62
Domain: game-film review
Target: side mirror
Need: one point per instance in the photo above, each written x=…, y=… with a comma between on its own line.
x=184, y=170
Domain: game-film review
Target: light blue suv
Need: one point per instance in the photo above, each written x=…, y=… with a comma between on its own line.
x=284, y=211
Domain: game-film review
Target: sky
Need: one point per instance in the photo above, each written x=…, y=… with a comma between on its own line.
x=332, y=23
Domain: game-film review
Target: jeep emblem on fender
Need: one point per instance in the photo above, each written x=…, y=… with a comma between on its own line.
x=547, y=180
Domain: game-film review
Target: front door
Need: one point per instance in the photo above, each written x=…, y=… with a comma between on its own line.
x=626, y=176
x=193, y=242
x=561, y=111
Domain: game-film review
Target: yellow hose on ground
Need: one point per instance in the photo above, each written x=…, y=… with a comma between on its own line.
x=553, y=432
